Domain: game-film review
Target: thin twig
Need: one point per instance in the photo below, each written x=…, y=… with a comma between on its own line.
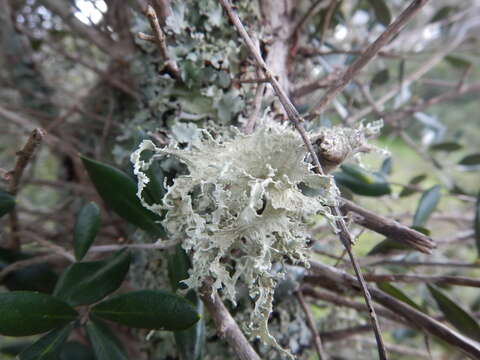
x=322, y=355
x=24, y=156
x=366, y=56
x=438, y=279
x=326, y=21
x=48, y=244
x=161, y=42
x=158, y=245
x=226, y=326
x=296, y=119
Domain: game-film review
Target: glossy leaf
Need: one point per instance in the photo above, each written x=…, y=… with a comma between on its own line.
x=88, y=282
x=36, y=277
x=476, y=224
x=427, y=204
x=148, y=309
x=25, y=313
x=190, y=342
x=7, y=202
x=48, y=346
x=458, y=62
x=388, y=246
x=398, y=294
x=469, y=160
x=386, y=167
x=362, y=182
x=455, y=314
x=105, y=345
x=120, y=193
x=86, y=228
x=382, y=12
x=380, y=78
x=447, y=146
x=406, y=191
x=73, y=350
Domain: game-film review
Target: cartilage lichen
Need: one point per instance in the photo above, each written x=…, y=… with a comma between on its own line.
x=240, y=209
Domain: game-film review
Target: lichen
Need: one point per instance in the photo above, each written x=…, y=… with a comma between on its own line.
x=241, y=208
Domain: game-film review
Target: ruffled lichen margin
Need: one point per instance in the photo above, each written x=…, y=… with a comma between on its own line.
x=242, y=208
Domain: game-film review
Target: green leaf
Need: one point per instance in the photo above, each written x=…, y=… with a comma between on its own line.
x=362, y=182
x=148, y=309
x=73, y=350
x=382, y=12
x=380, y=78
x=455, y=314
x=120, y=193
x=86, y=228
x=190, y=342
x=469, y=160
x=398, y=294
x=457, y=62
x=476, y=224
x=447, y=146
x=388, y=246
x=7, y=202
x=443, y=12
x=36, y=277
x=48, y=346
x=427, y=204
x=386, y=167
x=105, y=345
x=406, y=191
x=88, y=282
x=25, y=313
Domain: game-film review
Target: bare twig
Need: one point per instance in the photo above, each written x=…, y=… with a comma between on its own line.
x=161, y=41
x=438, y=279
x=48, y=244
x=390, y=228
x=367, y=55
x=331, y=275
x=322, y=355
x=326, y=21
x=226, y=326
x=24, y=156
x=295, y=118
x=158, y=245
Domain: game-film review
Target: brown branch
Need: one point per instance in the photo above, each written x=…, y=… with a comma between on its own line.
x=367, y=55
x=413, y=316
x=161, y=41
x=455, y=264
x=342, y=334
x=226, y=326
x=390, y=228
x=438, y=279
x=295, y=118
x=24, y=156
x=317, y=341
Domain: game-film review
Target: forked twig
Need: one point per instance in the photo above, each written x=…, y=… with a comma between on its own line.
x=296, y=119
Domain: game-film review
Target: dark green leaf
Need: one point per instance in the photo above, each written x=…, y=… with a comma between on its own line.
x=443, y=12
x=457, y=316
x=386, y=167
x=469, y=160
x=398, y=294
x=457, y=62
x=148, y=309
x=388, y=246
x=15, y=348
x=73, y=350
x=25, y=313
x=120, y=193
x=190, y=342
x=36, y=277
x=427, y=204
x=105, y=345
x=48, y=346
x=382, y=12
x=362, y=182
x=380, y=78
x=88, y=282
x=86, y=228
x=447, y=146
x=406, y=191
x=476, y=225
x=7, y=202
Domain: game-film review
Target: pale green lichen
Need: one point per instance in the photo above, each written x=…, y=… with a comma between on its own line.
x=240, y=209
